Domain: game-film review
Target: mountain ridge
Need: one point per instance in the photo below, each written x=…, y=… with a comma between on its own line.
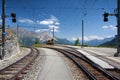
x=28, y=38
x=112, y=43
x=97, y=42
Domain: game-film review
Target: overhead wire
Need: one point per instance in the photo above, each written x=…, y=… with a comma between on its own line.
x=108, y=5
x=62, y=8
x=90, y=8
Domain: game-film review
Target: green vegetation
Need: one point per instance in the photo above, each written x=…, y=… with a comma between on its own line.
x=39, y=45
x=37, y=42
x=77, y=42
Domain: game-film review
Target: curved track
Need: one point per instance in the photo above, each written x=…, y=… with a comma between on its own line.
x=92, y=70
x=16, y=70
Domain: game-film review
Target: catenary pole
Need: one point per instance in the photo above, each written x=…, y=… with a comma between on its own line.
x=53, y=36
x=118, y=29
x=82, y=33
x=83, y=30
x=3, y=29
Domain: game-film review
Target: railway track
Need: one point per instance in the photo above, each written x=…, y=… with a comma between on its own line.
x=17, y=70
x=92, y=70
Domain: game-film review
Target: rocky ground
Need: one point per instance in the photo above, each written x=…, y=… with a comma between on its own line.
x=11, y=44
x=8, y=61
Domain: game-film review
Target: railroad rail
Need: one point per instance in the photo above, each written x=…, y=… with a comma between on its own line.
x=91, y=69
x=17, y=70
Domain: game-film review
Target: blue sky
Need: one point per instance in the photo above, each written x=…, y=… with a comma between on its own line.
x=65, y=16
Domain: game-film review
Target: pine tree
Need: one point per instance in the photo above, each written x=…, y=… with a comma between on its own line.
x=77, y=42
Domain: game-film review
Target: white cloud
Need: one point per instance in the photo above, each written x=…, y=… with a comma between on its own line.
x=57, y=23
x=46, y=22
x=109, y=36
x=55, y=28
x=109, y=27
x=41, y=30
x=51, y=21
x=73, y=38
x=112, y=27
x=88, y=38
x=105, y=27
x=29, y=21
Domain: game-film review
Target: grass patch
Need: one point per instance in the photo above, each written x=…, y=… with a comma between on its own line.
x=40, y=45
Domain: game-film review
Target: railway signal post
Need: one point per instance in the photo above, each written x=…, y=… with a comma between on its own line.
x=13, y=15
x=53, y=36
x=118, y=30
x=117, y=14
x=3, y=29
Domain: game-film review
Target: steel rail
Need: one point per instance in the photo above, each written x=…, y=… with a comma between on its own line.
x=105, y=72
x=29, y=58
x=96, y=66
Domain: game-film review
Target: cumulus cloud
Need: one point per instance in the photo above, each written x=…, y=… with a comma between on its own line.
x=29, y=21
x=45, y=22
x=112, y=27
x=105, y=27
x=73, y=38
x=51, y=27
x=52, y=22
x=41, y=30
x=57, y=23
x=109, y=27
x=88, y=38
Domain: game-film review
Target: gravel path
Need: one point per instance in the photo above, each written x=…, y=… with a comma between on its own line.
x=36, y=68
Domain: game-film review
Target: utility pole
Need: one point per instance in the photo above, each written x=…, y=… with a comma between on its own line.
x=17, y=30
x=82, y=33
x=13, y=15
x=53, y=35
x=118, y=29
x=3, y=29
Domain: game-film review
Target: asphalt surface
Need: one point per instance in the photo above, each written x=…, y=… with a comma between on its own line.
x=54, y=68
x=102, y=51
x=105, y=54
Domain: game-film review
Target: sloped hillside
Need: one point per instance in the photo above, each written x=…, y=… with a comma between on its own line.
x=112, y=43
x=97, y=42
x=26, y=38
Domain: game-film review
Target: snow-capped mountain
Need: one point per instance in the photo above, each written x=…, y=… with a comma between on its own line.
x=28, y=38
x=44, y=36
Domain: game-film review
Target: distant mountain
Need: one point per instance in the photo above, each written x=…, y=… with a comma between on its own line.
x=44, y=36
x=62, y=41
x=97, y=42
x=28, y=38
x=111, y=43
x=25, y=37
